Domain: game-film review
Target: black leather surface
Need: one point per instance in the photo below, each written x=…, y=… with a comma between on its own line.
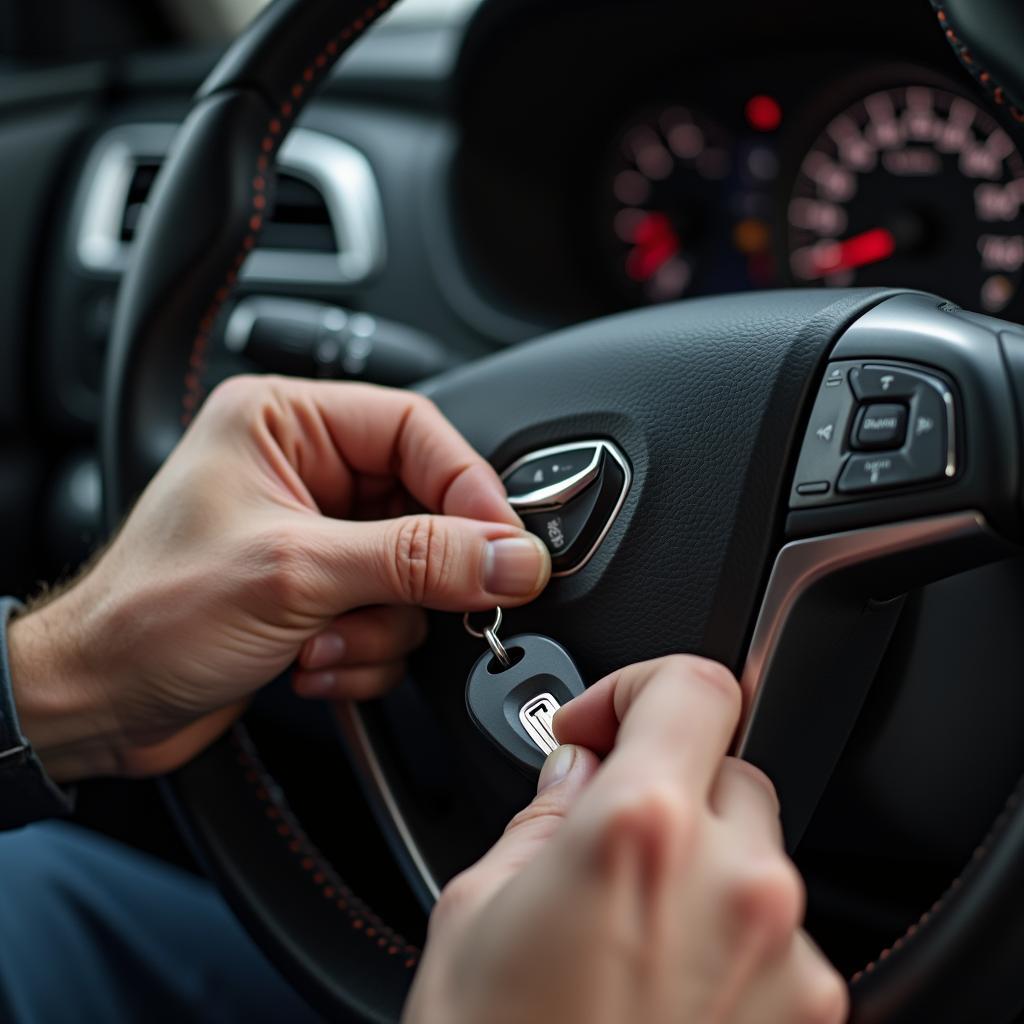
x=200, y=223
x=704, y=398
x=961, y=961
x=988, y=37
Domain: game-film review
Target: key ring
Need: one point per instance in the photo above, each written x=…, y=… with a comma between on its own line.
x=490, y=634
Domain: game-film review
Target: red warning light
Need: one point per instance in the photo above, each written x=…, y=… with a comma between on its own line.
x=763, y=113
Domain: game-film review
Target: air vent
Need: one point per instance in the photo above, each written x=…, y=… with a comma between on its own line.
x=299, y=220
x=138, y=192
x=325, y=226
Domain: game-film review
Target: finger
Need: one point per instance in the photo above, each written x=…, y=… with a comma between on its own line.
x=366, y=636
x=678, y=713
x=440, y=562
x=564, y=776
x=360, y=683
x=801, y=986
x=163, y=756
x=744, y=796
x=325, y=429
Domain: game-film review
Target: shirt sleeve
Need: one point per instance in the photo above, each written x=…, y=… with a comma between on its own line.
x=27, y=793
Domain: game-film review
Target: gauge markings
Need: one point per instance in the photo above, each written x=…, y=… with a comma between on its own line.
x=667, y=180
x=912, y=186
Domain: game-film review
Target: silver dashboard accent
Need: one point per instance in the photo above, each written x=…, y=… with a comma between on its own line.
x=354, y=730
x=558, y=494
x=802, y=563
x=339, y=171
x=536, y=717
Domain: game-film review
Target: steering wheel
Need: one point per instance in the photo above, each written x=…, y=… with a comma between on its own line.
x=796, y=461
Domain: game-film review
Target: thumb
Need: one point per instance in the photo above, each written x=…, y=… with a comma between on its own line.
x=440, y=562
x=563, y=778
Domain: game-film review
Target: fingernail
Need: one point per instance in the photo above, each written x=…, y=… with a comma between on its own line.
x=316, y=684
x=556, y=767
x=325, y=649
x=516, y=566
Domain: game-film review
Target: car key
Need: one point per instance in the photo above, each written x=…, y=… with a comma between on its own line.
x=514, y=690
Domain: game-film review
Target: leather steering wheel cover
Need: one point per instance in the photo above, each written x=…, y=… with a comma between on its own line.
x=920, y=977
x=988, y=38
x=205, y=214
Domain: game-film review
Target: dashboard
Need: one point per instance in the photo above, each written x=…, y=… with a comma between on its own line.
x=721, y=153
x=525, y=166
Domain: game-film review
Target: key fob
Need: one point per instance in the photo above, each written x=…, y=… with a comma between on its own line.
x=513, y=707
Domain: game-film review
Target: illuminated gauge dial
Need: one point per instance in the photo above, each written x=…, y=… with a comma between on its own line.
x=666, y=191
x=916, y=187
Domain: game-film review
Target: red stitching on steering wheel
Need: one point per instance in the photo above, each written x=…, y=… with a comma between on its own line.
x=267, y=792
x=277, y=128
x=980, y=852
x=981, y=75
x=312, y=861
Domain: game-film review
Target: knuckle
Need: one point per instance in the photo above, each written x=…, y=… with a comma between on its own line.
x=541, y=813
x=457, y=898
x=421, y=557
x=745, y=769
x=657, y=819
x=281, y=561
x=236, y=393
x=767, y=900
x=712, y=676
x=825, y=998
x=422, y=403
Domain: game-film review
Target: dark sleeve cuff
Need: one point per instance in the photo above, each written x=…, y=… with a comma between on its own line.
x=27, y=793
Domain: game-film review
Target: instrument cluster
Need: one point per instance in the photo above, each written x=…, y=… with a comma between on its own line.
x=896, y=177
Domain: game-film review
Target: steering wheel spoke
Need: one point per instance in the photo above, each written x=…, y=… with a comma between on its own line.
x=908, y=473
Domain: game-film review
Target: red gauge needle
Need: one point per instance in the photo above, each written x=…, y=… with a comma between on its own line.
x=654, y=243
x=870, y=246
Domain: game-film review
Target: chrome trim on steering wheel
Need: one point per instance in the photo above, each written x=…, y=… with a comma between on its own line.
x=802, y=563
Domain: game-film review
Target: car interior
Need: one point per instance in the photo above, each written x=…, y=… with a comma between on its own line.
x=774, y=255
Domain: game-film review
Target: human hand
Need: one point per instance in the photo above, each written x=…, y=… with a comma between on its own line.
x=653, y=887
x=279, y=528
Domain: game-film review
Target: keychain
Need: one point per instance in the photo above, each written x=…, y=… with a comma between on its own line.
x=515, y=688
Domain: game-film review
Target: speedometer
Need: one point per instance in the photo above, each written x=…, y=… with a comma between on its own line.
x=666, y=191
x=914, y=186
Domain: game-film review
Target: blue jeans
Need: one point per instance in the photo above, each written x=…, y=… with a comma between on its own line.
x=92, y=931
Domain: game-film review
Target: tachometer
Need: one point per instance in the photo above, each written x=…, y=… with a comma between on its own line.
x=913, y=186
x=666, y=190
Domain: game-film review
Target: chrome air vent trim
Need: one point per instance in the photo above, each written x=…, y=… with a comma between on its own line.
x=339, y=171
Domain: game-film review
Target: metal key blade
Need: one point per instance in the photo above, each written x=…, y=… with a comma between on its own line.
x=514, y=706
x=537, y=715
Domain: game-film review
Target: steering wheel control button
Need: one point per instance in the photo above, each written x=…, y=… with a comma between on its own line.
x=822, y=453
x=569, y=496
x=880, y=426
x=565, y=530
x=875, y=472
x=815, y=487
x=514, y=706
x=883, y=382
x=884, y=425
x=556, y=471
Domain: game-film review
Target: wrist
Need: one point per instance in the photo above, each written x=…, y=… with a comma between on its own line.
x=59, y=701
